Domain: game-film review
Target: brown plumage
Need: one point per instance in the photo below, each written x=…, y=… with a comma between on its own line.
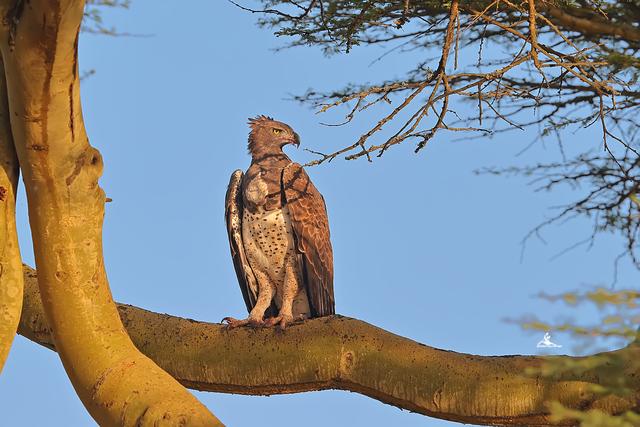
x=278, y=233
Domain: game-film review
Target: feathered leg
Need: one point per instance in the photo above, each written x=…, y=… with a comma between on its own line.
x=289, y=292
x=266, y=290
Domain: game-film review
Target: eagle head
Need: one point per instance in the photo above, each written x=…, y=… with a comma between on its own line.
x=269, y=135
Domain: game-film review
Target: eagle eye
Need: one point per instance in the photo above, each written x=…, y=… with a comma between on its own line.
x=276, y=131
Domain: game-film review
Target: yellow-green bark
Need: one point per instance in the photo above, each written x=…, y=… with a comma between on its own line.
x=10, y=264
x=117, y=384
x=348, y=354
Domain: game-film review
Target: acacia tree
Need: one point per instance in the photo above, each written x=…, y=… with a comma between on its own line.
x=109, y=351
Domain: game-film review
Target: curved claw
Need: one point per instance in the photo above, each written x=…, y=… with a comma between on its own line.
x=282, y=320
x=235, y=323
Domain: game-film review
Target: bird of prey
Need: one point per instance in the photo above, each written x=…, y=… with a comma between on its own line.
x=278, y=233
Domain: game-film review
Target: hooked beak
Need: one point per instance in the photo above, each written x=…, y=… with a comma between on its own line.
x=295, y=140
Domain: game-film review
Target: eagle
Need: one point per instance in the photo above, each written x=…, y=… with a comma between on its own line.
x=278, y=233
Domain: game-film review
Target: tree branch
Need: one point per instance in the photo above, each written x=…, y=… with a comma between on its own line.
x=594, y=26
x=10, y=263
x=348, y=354
x=117, y=384
x=558, y=59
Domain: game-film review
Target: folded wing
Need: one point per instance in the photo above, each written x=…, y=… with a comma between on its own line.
x=233, y=217
x=310, y=225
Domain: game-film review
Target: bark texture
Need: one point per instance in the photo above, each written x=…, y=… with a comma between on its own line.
x=348, y=354
x=10, y=264
x=118, y=385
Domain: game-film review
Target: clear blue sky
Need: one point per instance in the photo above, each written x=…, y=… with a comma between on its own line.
x=423, y=247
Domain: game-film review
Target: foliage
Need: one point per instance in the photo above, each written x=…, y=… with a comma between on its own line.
x=605, y=190
x=532, y=64
x=93, y=16
x=594, y=417
x=618, y=327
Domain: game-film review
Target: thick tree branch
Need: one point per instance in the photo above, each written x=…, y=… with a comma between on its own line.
x=348, y=354
x=117, y=384
x=10, y=263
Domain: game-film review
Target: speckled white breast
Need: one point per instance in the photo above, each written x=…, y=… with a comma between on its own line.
x=268, y=241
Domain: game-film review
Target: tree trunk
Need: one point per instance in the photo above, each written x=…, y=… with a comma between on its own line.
x=10, y=263
x=117, y=384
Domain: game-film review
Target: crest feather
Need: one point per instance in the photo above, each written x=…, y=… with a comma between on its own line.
x=258, y=120
x=255, y=123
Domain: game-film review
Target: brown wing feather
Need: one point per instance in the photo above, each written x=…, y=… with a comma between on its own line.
x=311, y=228
x=233, y=217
